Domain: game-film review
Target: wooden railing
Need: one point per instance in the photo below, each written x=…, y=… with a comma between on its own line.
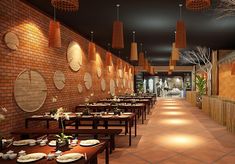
x=220, y=110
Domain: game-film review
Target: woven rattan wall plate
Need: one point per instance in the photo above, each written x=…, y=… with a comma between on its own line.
x=74, y=56
x=12, y=41
x=59, y=79
x=103, y=84
x=88, y=80
x=30, y=90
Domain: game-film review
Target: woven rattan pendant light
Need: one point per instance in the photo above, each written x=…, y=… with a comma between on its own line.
x=134, y=50
x=126, y=68
x=180, y=38
x=117, y=39
x=108, y=57
x=65, y=5
x=146, y=64
x=233, y=69
x=141, y=56
x=119, y=62
x=54, y=37
x=91, y=49
x=198, y=5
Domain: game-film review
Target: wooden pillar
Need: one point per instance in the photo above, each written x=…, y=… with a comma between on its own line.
x=193, y=78
x=214, y=73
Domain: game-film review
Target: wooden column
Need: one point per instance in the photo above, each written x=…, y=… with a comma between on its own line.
x=214, y=73
x=193, y=78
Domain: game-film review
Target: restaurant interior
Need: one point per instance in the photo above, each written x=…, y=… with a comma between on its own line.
x=99, y=82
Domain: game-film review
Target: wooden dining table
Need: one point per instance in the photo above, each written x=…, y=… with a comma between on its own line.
x=91, y=153
x=129, y=119
x=146, y=102
x=138, y=108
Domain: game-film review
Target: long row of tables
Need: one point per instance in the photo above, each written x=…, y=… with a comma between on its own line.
x=132, y=107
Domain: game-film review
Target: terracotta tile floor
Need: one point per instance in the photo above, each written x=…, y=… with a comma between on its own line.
x=176, y=132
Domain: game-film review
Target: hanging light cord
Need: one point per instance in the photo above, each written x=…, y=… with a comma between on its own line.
x=54, y=14
x=180, y=5
x=141, y=47
x=118, y=5
x=109, y=46
x=92, y=36
x=133, y=36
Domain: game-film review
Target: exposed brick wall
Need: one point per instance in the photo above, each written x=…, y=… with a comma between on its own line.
x=32, y=29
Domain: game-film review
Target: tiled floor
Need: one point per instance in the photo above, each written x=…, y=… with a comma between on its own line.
x=176, y=132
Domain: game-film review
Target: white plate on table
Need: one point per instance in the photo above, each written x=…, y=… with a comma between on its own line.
x=91, y=142
x=123, y=116
x=23, y=142
x=31, y=157
x=127, y=113
x=37, y=116
x=71, y=157
x=107, y=116
x=84, y=116
x=52, y=143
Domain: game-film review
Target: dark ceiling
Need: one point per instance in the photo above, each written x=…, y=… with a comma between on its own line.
x=154, y=22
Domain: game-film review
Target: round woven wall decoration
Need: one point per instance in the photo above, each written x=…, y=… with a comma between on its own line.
x=30, y=90
x=11, y=40
x=74, y=56
x=99, y=72
x=112, y=87
x=59, y=79
x=103, y=84
x=88, y=80
x=80, y=89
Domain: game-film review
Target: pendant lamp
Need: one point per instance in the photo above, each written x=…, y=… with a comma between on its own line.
x=233, y=69
x=146, y=64
x=141, y=56
x=174, y=53
x=119, y=64
x=180, y=38
x=91, y=49
x=126, y=68
x=54, y=37
x=198, y=5
x=65, y=5
x=108, y=57
x=134, y=51
x=117, y=38
x=151, y=71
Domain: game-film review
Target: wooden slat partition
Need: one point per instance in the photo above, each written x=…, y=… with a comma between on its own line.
x=230, y=113
x=220, y=110
x=191, y=96
x=206, y=105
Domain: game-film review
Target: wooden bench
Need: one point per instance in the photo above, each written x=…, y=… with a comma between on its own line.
x=95, y=132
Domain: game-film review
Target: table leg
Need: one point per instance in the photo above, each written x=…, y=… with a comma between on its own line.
x=129, y=132
x=135, y=126
x=143, y=114
x=26, y=123
x=107, y=154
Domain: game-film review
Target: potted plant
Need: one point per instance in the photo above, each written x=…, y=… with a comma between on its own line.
x=201, y=87
x=62, y=139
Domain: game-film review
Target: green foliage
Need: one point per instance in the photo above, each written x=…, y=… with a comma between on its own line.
x=201, y=85
x=140, y=87
x=63, y=137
